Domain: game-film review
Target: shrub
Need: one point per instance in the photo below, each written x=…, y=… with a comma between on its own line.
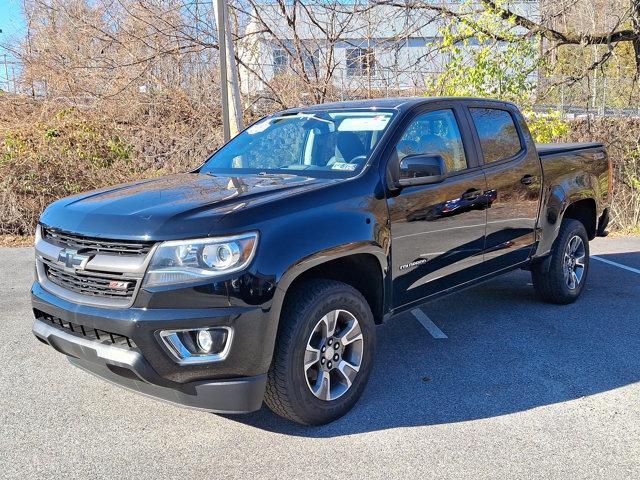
x=621, y=137
x=55, y=156
x=51, y=149
x=546, y=128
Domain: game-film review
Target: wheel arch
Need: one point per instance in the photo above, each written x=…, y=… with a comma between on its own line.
x=563, y=201
x=363, y=267
x=585, y=211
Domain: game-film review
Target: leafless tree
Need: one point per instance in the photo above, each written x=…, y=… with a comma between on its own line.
x=329, y=48
x=326, y=49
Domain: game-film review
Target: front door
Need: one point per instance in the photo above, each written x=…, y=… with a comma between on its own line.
x=437, y=230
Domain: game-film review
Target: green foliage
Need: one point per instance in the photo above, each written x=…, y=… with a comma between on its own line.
x=492, y=57
x=51, y=133
x=12, y=146
x=119, y=148
x=546, y=128
x=573, y=59
x=488, y=57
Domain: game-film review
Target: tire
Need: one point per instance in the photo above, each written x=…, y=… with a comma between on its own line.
x=554, y=285
x=296, y=370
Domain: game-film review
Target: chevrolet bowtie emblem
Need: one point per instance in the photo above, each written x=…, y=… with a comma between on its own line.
x=72, y=259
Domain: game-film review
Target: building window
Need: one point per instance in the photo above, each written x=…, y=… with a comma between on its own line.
x=360, y=62
x=311, y=60
x=280, y=61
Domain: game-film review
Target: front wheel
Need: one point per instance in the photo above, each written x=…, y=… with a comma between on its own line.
x=568, y=265
x=323, y=353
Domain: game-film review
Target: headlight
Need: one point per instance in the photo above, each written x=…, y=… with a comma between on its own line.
x=191, y=260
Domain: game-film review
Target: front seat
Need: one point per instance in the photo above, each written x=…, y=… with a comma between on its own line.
x=349, y=147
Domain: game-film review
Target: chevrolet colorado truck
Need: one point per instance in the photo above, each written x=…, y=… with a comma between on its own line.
x=261, y=276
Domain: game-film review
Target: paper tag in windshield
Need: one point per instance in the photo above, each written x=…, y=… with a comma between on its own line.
x=344, y=167
x=364, y=124
x=258, y=127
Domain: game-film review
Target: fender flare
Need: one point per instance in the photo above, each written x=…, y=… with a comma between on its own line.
x=552, y=214
x=303, y=265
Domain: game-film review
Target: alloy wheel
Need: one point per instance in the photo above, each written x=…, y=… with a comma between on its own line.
x=333, y=355
x=573, y=265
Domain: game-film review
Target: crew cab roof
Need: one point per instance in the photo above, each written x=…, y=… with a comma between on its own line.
x=396, y=103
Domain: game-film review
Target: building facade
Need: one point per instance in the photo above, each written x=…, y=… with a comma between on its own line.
x=351, y=46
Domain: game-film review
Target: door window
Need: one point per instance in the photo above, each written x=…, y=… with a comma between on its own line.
x=498, y=135
x=434, y=133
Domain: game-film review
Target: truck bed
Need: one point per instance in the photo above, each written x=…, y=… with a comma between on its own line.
x=545, y=149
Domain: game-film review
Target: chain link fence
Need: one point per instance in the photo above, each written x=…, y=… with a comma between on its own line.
x=595, y=95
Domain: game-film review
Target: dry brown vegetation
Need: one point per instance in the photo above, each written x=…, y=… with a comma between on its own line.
x=621, y=137
x=50, y=149
x=118, y=91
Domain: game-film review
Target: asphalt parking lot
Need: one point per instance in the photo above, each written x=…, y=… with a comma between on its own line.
x=510, y=388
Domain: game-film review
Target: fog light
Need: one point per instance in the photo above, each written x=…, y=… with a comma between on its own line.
x=198, y=345
x=205, y=341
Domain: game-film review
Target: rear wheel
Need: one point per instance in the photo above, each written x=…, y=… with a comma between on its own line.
x=568, y=265
x=323, y=353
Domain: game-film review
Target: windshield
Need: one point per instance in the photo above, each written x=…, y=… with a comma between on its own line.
x=322, y=144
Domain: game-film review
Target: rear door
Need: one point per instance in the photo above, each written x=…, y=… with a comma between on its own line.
x=437, y=230
x=514, y=181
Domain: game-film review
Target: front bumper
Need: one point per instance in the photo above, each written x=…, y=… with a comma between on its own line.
x=129, y=369
x=233, y=385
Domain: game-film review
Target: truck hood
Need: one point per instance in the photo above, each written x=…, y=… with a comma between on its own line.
x=171, y=207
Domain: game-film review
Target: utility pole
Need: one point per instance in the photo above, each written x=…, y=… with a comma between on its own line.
x=222, y=65
x=231, y=110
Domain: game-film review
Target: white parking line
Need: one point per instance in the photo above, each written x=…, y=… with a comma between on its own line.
x=426, y=322
x=619, y=265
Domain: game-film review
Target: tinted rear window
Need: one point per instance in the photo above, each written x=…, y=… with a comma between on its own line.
x=497, y=131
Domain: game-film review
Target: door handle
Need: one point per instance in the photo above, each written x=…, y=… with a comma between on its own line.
x=471, y=194
x=527, y=179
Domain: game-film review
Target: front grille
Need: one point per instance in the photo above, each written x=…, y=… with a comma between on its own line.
x=77, y=242
x=91, y=283
x=89, y=333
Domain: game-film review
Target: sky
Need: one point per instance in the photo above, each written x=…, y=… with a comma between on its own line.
x=12, y=25
x=11, y=20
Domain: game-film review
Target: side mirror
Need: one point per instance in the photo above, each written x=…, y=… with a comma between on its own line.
x=422, y=170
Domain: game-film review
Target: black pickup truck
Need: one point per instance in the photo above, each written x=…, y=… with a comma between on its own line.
x=261, y=275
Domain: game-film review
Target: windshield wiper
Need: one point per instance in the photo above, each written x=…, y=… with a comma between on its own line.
x=259, y=174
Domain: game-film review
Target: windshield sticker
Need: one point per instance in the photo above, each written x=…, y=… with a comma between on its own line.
x=258, y=127
x=364, y=124
x=344, y=167
x=314, y=117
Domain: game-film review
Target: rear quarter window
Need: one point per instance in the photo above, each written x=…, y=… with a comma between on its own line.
x=498, y=135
